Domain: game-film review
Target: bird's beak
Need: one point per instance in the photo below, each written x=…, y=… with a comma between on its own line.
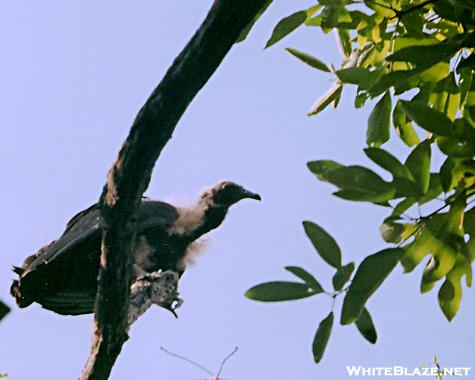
x=251, y=195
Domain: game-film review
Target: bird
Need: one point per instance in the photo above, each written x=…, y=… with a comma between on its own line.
x=62, y=276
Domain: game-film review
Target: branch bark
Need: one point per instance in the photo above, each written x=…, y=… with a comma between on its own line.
x=130, y=175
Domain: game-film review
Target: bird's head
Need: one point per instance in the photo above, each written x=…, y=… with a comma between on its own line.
x=227, y=193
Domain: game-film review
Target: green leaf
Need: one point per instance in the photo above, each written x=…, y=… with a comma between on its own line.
x=396, y=232
x=455, y=147
x=360, y=99
x=324, y=243
x=387, y=161
x=466, y=63
x=286, y=26
x=441, y=237
x=308, y=59
x=415, y=252
x=331, y=96
x=344, y=42
x=452, y=104
x=321, y=167
x=393, y=78
x=426, y=56
x=428, y=118
x=403, y=206
x=352, y=75
x=329, y=18
x=369, y=276
x=356, y=177
x=4, y=310
x=367, y=195
x=418, y=164
x=378, y=122
x=404, y=127
x=279, y=291
x=446, y=174
x=360, y=184
x=321, y=337
x=342, y=276
x=450, y=293
x=435, y=189
x=307, y=277
x=366, y=327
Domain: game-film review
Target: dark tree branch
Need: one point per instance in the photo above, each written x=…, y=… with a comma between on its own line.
x=130, y=175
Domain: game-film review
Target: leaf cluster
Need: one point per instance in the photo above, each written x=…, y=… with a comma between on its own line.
x=414, y=61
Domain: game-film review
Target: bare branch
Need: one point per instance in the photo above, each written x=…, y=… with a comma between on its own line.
x=130, y=174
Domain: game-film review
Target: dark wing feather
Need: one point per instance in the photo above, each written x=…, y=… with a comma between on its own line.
x=63, y=275
x=156, y=214
x=85, y=225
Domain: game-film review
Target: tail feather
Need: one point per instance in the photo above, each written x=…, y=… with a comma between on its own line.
x=15, y=291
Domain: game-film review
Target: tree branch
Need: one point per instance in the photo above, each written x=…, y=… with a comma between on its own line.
x=130, y=175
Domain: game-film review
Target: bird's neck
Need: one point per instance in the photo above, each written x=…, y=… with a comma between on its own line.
x=209, y=216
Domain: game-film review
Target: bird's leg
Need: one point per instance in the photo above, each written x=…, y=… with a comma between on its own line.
x=160, y=288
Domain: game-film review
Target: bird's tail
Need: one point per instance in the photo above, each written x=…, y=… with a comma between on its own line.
x=15, y=291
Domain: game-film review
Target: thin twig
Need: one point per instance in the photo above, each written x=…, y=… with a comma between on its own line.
x=225, y=360
x=188, y=360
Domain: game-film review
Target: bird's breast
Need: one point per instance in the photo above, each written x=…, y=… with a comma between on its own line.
x=157, y=250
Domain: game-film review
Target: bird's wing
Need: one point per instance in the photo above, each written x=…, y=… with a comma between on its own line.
x=85, y=225
x=88, y=224
x=156, y=214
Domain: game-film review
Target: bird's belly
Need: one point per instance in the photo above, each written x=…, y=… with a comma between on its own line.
x=158, y=251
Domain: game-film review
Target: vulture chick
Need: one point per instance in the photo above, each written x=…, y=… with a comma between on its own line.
x=62, y=276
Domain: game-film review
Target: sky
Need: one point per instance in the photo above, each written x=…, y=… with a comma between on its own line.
x=74, y=74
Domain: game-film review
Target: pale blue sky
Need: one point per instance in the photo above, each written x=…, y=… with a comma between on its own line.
x=74, y=74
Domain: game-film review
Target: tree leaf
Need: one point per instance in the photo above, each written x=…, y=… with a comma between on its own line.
x=403, y=206
x=342, y=276
x=286, y=26
x=428, y=118
x=369, y=276
x=326, y=99
x=4, y=310
x=450, y=293
x=435, y=189
x=455, y=147
x=418, y=164
x=352, y=75
x=358, y=183
x=321, y=337
x=404, y=127
x=445, y=173
x=366, y=327
x=344, y=42
x=396, y=232
x=308, y=59
x=387, y=161
x=378, y=122
x=426, y=56
x=279, y=291
x=324, y=243
x=367, y=195
x=305, y=276
x=321, y=167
